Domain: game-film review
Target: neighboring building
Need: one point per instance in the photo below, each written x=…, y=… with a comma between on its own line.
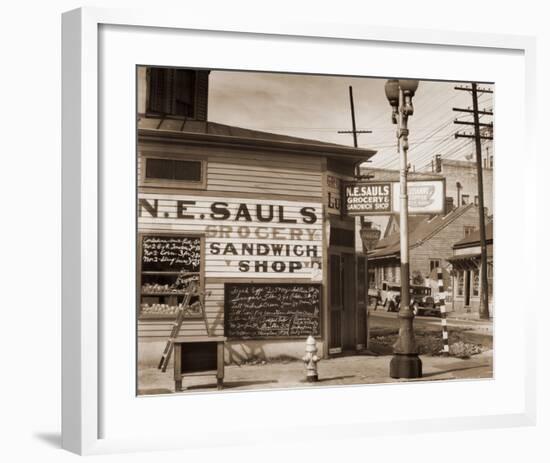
x=466, y=270
x=252, y=215
x=430, y=244
x=461, y=181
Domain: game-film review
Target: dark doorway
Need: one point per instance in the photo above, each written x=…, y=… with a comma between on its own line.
x=349, y=320
x=336, y=303
x=342, y=296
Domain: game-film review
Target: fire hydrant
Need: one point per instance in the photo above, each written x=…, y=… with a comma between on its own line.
x=311, y=359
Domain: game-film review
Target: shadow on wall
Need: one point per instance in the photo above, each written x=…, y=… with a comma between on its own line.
x=243, y=353
x=238, y=353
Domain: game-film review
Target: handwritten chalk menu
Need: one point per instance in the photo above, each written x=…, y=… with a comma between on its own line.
x=272, y=310
x=171, y=253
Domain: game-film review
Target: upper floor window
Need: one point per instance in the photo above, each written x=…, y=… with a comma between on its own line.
x=171, y=172
x=468, y=230
x=171, y=92
x=434, y=264
x=465, y=200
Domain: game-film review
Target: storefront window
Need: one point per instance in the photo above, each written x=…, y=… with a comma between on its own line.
x=170, y=264
x=460, y=286
x=475, y=284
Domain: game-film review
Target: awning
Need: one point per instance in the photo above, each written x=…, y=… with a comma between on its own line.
x=465, y=261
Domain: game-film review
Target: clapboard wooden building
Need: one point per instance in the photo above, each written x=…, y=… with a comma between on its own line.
x=253, y=216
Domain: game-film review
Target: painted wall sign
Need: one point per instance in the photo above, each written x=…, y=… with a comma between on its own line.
x=334, y=192
x=382, y=198
x=243, y=237
x=334, y=200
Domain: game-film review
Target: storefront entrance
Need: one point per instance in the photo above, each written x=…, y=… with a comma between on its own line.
x=342, y=298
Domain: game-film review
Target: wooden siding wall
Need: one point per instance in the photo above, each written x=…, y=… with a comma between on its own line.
x=277, y=175
x=235, y=177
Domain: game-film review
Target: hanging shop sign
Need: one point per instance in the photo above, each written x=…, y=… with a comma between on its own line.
x=369, y=237
x=382, y=198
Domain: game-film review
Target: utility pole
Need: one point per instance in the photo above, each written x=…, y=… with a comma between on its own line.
x=364, y=223
x=354, y=130
x=484, y=306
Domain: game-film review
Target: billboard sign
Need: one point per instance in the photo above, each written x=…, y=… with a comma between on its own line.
x=382, y=198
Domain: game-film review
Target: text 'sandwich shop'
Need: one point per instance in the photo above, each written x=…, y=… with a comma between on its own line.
x=255, y=220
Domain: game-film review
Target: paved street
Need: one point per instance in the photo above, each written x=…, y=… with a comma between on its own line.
x=475, y=331
x=486, y=327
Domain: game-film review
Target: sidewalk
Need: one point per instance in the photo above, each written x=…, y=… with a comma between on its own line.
x=355, y=369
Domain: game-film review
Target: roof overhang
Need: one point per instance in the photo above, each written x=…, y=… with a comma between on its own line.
x=305, y=148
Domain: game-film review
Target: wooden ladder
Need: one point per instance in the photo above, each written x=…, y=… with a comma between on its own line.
x=192, y=290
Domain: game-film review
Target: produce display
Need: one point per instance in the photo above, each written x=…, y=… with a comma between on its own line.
x=154, y=288
x=166, y=309
x=178, y=287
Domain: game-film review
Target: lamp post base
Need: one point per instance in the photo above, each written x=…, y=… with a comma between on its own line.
x=406, y=366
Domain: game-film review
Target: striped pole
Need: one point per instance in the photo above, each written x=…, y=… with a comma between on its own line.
x=442, y=308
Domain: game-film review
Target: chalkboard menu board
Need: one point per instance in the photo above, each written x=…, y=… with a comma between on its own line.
x=272, y=310
x=171, y=253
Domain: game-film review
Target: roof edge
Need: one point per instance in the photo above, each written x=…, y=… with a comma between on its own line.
x=308, y=148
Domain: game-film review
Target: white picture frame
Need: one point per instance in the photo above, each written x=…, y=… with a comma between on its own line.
x=89, y=34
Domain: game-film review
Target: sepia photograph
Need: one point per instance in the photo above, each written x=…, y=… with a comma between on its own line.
x=303, y=231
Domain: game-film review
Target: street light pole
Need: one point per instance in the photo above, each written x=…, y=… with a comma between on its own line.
x=405, y=362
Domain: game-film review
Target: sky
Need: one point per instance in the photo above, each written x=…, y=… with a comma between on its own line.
x=317, y=107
